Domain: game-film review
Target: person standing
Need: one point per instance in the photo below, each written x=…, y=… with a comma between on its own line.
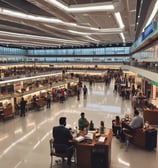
x=90, y=82
x=83, y=122
x=62, y=137
x=48, y=100
x=84, y=91
x=78, y=92
x=22, y=107
x=62, y=95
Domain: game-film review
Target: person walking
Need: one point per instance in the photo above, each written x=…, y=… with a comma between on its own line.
x=78, y=92
x=22, y=107
x=84, y=92
x=48, y=98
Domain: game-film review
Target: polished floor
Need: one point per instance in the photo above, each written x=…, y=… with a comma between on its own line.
x=24, y=140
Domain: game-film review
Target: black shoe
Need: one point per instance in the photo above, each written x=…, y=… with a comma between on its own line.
x=69, y=162
x=117, y=136
x=122, y=140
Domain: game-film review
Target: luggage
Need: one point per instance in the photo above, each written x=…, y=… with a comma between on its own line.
x=151, y=139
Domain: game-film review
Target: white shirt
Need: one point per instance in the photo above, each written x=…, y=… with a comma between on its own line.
x=137, y=122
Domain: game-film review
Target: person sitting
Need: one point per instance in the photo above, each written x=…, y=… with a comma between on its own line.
x=116, y=126
x=62, y=137
x=83, y=122
x=135, y=123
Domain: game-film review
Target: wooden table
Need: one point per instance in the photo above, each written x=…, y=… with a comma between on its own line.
x=89, y=154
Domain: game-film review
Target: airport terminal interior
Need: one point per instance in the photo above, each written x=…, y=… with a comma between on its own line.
x=50, y=50
x=25, y=140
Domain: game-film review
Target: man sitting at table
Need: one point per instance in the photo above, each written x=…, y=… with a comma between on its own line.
x=62, y=137
x=136, y=122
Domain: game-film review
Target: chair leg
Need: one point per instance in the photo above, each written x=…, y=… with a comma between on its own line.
x=63, y=159
x=51, y=161
x=127, y=144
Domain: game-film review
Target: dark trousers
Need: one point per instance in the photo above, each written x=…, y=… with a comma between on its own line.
x=128, y=129
x=68, y=149
x=48, y=103
x=116, y=130
x=22, y=112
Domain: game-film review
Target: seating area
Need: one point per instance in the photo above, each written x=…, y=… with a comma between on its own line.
x=38, y=129
x=145, y=138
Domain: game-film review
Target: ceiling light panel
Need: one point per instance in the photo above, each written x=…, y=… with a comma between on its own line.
x=119, y=20
x=91, y=21
x=90, y=7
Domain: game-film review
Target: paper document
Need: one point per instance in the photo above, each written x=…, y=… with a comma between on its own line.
x=89, y=136
x=79, y=138
x=101, y=139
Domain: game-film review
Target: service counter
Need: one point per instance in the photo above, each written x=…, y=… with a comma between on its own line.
x=15, y=97
x=92, y=154
x=151, y=115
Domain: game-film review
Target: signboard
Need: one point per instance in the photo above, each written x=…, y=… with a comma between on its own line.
x=148, y=30
x=154, y=83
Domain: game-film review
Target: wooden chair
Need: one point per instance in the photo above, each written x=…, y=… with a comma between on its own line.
x=137, y=137
x=53, y=153
x=40, y=103
x=128, y=137
x=7, y=113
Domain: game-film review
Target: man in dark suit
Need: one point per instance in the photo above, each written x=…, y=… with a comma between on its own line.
x=62, y=137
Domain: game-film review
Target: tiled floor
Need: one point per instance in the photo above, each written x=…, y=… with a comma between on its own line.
x=24, y=140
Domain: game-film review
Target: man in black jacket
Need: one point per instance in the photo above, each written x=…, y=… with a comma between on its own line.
x=62, y=137
x=22, y=107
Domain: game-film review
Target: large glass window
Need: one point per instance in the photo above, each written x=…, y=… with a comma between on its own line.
x=65, y=55
x=12, y=51
x=81, y=51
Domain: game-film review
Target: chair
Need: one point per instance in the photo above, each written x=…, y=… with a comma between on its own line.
x=53, y=153
x=128, y=137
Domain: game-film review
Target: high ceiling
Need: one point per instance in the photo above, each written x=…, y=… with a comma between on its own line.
x=56, y=23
